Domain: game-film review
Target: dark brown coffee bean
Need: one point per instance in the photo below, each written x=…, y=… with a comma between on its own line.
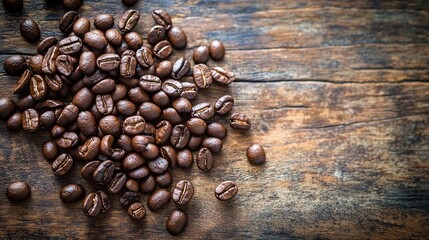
x=126, y=108
x=62, y=164
x=91, y=205
x=222, y=76
x=213, y=144
x=45, y=44
x=194, y=142
x=87, y=124
x=161, y=99
x=162, y=18
x=158, y=166
x=71, y=193
x=179, y=136
x=182, y=105
x=87, y=62
x=201, y=54
x=13, y=5
x=65, y=64
x=239, y=121
x=158, y=199
x=134, y=40
x=196, y=126
x=171, y=115
x=103, y=22
x=149, y=111
x=15, y=65
x=136, y=211
x=128, y=20
x=147, y=184
x=176, y=222
x=217, y=50
x=204, y=159
x=38, y=87
x=95, y=40
x=183, y=192
x=224, y=104
x=127, y=67
x=47, y=119
x=162, y=49
x=87, y=171
x=114, y=37
x=152, y=151
x=35, y=64
x=14, y=122
x=108, y=62
x=139, y=172
x=94, y=78
x=144, y=57
x=18, y=191
x=104, y=86
x=70, y=45
x=139, y=143
x=132, y=161
x=30, y=31
x=177, y=37
x=164, y=69
x=117, y=183
x=23, y=82
x=57, y=131
x=132, y=185
x=184, y=158
x=68, y=114
x=54, y=81
x=67, y=22
x=50, y=104
x=83, y=99
x=104, y=104
x=129, y=198
x=119, y=93
x=156, y=34
x=125, y=143
x=150, y=83
x=226, y=190
x=89, y=150
x=217, y=130
x=103, y=174
x=48, y=63
x=81, y=26
x=137, y=95
x=134, y=125
x=50, y=150
x=255, y=154
x=172, y=88
x=204, y=111
x=105, y=201
x=163, y=132
x=164, y=180
x=67, y=140
x=180, y=68
x=110, y=125
x=30, y=120
x=202, y=76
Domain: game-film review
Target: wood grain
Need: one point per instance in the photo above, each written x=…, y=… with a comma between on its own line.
x=338, y=94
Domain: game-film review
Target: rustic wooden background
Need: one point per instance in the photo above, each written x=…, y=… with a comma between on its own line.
x=338, y=94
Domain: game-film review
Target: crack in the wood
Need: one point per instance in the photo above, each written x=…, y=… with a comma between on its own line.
x=331, y=81
x=287, y=106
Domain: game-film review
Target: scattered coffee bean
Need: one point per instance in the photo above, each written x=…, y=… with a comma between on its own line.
x=134, y=40
x=176, y=222
x=30, y=120
x=50, y=150
x=189, y=90
x=162, y=49
x=217, y=130
x=213, y=144
x=103, y=174
x=108, y=62
x=222, y=76
x=164, y=180
x=30, y=31
x=71, y=193
x=204, y=159
x=196, y=126
x=255, y=154
x=67, y=22
x=103, y=22
x=91, y=205
x=18, y=191
x=129, y=198
x=162, y=18
x=239, y=121
x=226, y=190
x=62, y=164
x=128, y=20
x=156, y=34
x=72, y=4
x=15, y=65
x=180, y=68
x=117, y=183
x=81, y=26
x=177, y=37
x=217, y=50
x=45, y=44
x=204, y=111
x=7, y=107
x=224, y=104
x=185, y=158
x=136, y=211
x=14, y=122
x=95, y=39
x=158, y=199
x=183, y=192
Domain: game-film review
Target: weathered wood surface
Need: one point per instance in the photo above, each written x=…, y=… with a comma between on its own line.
x=338, y=93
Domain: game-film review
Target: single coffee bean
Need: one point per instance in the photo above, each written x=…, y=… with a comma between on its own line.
x=38, y=87
x=152, y=151
x=114, y=37
x=176, y=222
x=158, y=166
x=18, y=191
x=67, y=140
x=89, y=150
x=128, y=20
x=182, y=105
x=213, y=144
x=71, y=193
x=86, y=123
x=201, y=54
x=164, y=69
x=150, y=83
x=13, y=5
x=87, y=171
x=129, y=198
x=222, y=76
x=184, y=159
x=204, y=159
x=164, y=180
x=171, y=115
x=224, y=104
x=239, y=121
x=127, y=67
x=47, y=119
x=87, y=62
x=194, y=142
x=110, y=125
x=14, y=122
x=64, y=66
x=132, y=185
x=30, y=31
x=217, y=50
x=134, y=125
x=81, y=26
x=162, y=18
x=139, y=172
x=103, y=22
x=179, y=136
x=126, y=108
x=138, y=96
x=183, y=192
x=83, y=99
x=45, y=44
x=15, y=65
x=161, y=99
x=202, y=76
x=50, y=104
x=180, y=68
x=68, y=114
x=91, y=205
x=147, y=184
x=50, y=150
x=255, y=154
x=136, y=211
x=95, y=40
x=162, y=49
x=67, y=22
x=158, y=199
x=217, y=130
x=177, y=37
x=62, y=164
x=172, y=88
x=149, y=111
x=49, y=60
x=189, y=90
x=226, y=190
x=35, y=64
x=119, y=93
x=196, y=126
x=156, y=34
x=163, y=132
x=103, y=174
x=105, y=201
x=104, y=86
x=97, y=76
x=57, y=131
x=139, y=143
x=132, y=161
x=125, y=143
x=117, y=183
x=144, y=57
x=108, y=62
x=134, y=40
x=7, y=107
x=70, y=45
x=204, y=111
x=104, y=104
x=30, y=120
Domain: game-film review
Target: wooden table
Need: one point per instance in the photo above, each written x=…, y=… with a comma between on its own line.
x=338, y=94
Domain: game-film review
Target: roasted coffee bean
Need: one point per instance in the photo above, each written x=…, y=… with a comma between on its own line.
x=127, y=67
x=13, y=5
x=86, y=123
x=95, y=40
x=132, y=185
x=156, y=34
x=104, y=104
x=71, y=193
x=68, y=114
x=30, y=31
x=226, y=190
x=152, y=151
x=217, y=130
x=64, y=65
x=147, y=184
x=57, y=131
x=171, y=115
x=136, y=211
x=45, y=44
x=164, y=180
x=134, y=40
x=182, y=105
x=183, y=192
x=126, y=108
x=62, y=164
x=114, y=37
x=139, y=143
x=89, y=150
x=158, y=166
x=189, y=90
x=108, y=62
x=217, y=50
x=204, y=159
x=103, y=22
x=30, y=120
x=149, y=111
x=161, y=99
x=94, y=78
x=194, y=142
x=119, y=93
x=87, y=62
x=38, y=87
x=67, y=22
x=150, y=83
x=138, y=96
x=144, y=57
x=104, y=86
x=50, y=150
x=15, y=65
x=132, y=161
x=184, y=159
x=47, y=119
x=180, y=68
x=240, y=121
x=162, y=49
x=179, y=136
x=134, y=125
x=83, y=99
x=224, y=104
x=50, y=104
x=125, y=143
x=87, y=171
x=67, y=140
x=196, y=126
x=110, y=125
x=177, y=37
x=162, y=18
x=176, y=222
x=128, y=20
x=72, y=4
x=14, y=122
x=18, y=191
x=139, y=172
x=158, y=199
x=129, y=198
x=35, y=64
x=163, y=132
x=70, y=45
x=81, y=26
x=164, y=69
x=222, y=76
x=202, y=76
x=201, y=54
x=172, y=88
x=204, y=111
x=48, y=63
x=117, y=183
x=103, y=174
x=213, y=144
x=255, y=154
x=23, y=81
x=91, y=205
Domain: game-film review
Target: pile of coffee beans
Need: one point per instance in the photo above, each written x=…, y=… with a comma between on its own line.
x=120, y=106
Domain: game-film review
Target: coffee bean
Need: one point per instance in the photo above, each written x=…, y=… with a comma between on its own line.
x=162, y=18
x=119, y=93
x=224, y=104
x=64, y=66
x=204, y=159
x=30, y=31
x=172, y=88
x=182, y=105
x=164, y=69
x=171, y=115
x=196, y=126
x=150, y=83
x=62, y=164
x=201, y=54
x=217, y=130
x=70, y=45
x=95, y=40
x=149, y=111
x=18, y=191
x=139, y=172
x=127, y=67
x=86, y=123
x=91, y=205
x=114, y=37
x=163, y=132
x=81, y=26
x=83, y=99
x=103, y=174
x=94, y=78
x=129, y=198
x=164, y=180
x=67, y=22
x=22, y=104
x=204, y=111
x=117, y=183
x=139, y=143
x=184, y=158
x=7, y=107
x=137, y=95
x=72, y=4
x=189, y=90
x=162, y=49
x=213, y=144
x=71, y=193
x=177, y=37
x=45, y=44
x=217, y=50
x=158, y=166
x=68, y=114
x=50, y=104
x=134, y=40
x=144, y=57
x=226, y=190
x=176, y=222
x=14, y=122
x=13, y=5
x=183, y=192
x=132, y=185
x=89, y=150
x=132, y=161
x=136, y=211
x=161, y=99
x=125, y=143
x=103, y=22
x=152, y=151
x=156, y=34
x=15, y=65
x=134, y=125
x=67, y=140
x=147, y=184
x=104, y=104
x=87, y=171
x=239, y=121
x=179, y=136
x=222, y=76
x=35, y=64
x=104, y=86
x=255, y=154
x=38, y=87
x=57, y=131
x=50, y=150
x=47, y=119
x=108, y=62
x=128, y=20
x=202, y=76
x=30, y=120
x=180, y=68
x=158, y=199
x=110, y=125
x=87, y=62
x=48, y=63
x=105, y=201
